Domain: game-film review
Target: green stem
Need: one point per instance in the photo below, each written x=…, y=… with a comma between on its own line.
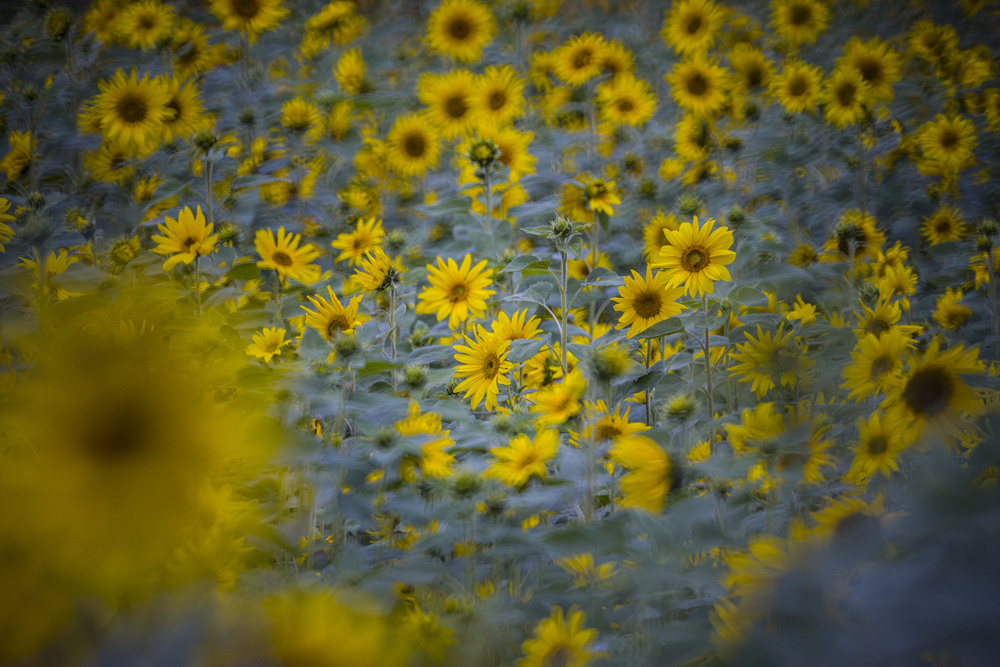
x=209, y=196
x=649, y=390
x=992, y=275
x=708, y=358
x=197, y=284
x=563, y=313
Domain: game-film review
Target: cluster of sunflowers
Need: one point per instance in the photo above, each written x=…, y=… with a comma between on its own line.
x=483, y=332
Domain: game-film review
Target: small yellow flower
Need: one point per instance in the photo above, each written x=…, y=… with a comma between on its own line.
x=185, y=238
x=267, y=344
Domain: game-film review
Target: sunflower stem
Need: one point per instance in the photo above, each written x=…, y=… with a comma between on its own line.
x=197, y=284
x=488, y=194
x=563, y=313
x=277, y=294
x=991, y=273
x=392, y=333
x=649, y=391
x=208, y=190
x=708, y=358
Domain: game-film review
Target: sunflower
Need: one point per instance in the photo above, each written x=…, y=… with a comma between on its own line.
x=578, y=60
x=283, y=254
x=516, y=327
x=513, y=146
x=699, y=86
x=102, y=19
x=185, y=238
x=498, y=96
x=881, y=439
x=933, y=42
x=948, y=312
x=876, y=365
x=449, y=100
x=251, y=17
x=643, y=302
x=460, y=29
x=931, y=394
x=435, y=460
x=18, y=159
x=882, y=318
x=653, y=237
x=625, y=100
x=691, y=25
x=648, y=479
x=377, y=271
x=331, y=317
x=898, y=281
x=600, y=195
x=947, y=143
x=560, y=641
x=6, y=232
x=483, y=365
x=336, y=23
x=110, y=162
x=693, y=138
x=356, y=245
x=268, y=343
x=524, y=458
x=191, y=52
x=798, y=86
x=133, y=110
x=145, y=24
x=768, y=361
x=299, y=115
x=603, y=425
x=696, y=257
x=846, y=97
x=614, y=59
x=857, y=231
x=799, y=21
x=413, y=145
x=876, y=62
x=456, y=292
x=188, y=115
x=559, y=401
x=350, y=72
x=753, y=69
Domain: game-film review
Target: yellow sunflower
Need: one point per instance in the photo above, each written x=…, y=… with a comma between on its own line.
x=944, y=225
x=110, y=162
x=625, y=100
x=696, y=256
x=483, y=365
x=17, y=160
x=882, y=318
x=933, y=42
x=377, y=271
x=948, y=312
x=881, y=439
x=614, y=59
x=524, y=458
x=331, y=317
x=578, y=60
x=6, y=232
x=690, y=26
x=877, y=362
x=498, y=96
x=931, y=394
x=513, y=146
x=188, y=115
x=299, y=115
x=693, y=138
x=857, y=231
x=648, y=480
x=516, y=327
x=799, y=21
x=267, y=344
x=947, y=143
x=560, y=640
x=456, y=292
x=846, y=97
x=413, y=145
x=643, y=302
x=283, y=254
x=768, y=361
x=356, y=245
x=133, y=110
x=600, y=195
x=102, y=19
x=559, y=401
x=753, y=69
x=699, y=85
x=449, y=100
x=876, y=62
x=185, y=238
x=350, y=72
x=461, y=29
x=798, y=86
x=252, y=17
x=653, y=237
x=146, y=23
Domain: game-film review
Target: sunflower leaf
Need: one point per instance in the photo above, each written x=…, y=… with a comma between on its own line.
x=524, y=349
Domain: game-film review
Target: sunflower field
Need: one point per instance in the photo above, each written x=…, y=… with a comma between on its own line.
x=500, y=332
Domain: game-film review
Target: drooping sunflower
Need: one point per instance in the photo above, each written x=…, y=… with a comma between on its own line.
x=798, y=86
x=356, y=245
x=625, y=100
x=696, y=256
x=18, y=159
x=252, y=17
x=144, y=24
x=413, y=145
x=767, y=361
x=267, y=343
x=876, y=365
x=643, y=302
x=799, y=21
x=461, y=29
x=846, y=97
x=690, y=26
x=876, y=61
x=483, y=365
x=299, y=114
x=944, y=225
x=133, y=110
x=947, y=143
x=699, y=85
x=331, y=317
x=881, y=439
x=931, y=394
x=449, y=100
x=524, y=457
x=498, y=96
x=578, y=60
x=283, y=254
x=456, y=292
x=948, y=312
x=185, y=238
x=600, y=195
x=560, y=641
x=559, y=401
x=188, y=115
x=882, y=318
x=350, y=72
x=753, y=69
x=648, y=480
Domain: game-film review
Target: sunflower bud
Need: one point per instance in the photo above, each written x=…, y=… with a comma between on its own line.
x=484, y=153
x=988, y=227
x=123, y=251
x=561, y=228
x=36, y=200
x=984, y=243
x=466, y=484
x=384, y=437
x=736, y=216
x=395, y=241
x=647, y=188
x=345, y=345
x=57, y=23
x=205, y=140
x=680, y=408
x=30, y=93
x=247, y=116
x=415, y=375
x=688, y=204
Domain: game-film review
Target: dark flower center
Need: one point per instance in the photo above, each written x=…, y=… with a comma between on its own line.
x=647, y=304
x=929, y=391
x=491, y=366
x=245, y=9
x=456, y=106
x=697, y=84
x=460, y=28
x=415, y=145
x=281, y=258
x=800, y=15
x=694, y=259
x=498, y=100
x=132, y=108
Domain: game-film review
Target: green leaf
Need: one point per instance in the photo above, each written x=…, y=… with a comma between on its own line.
x=522, y=350
x=457, y=204
x=604, y=277
x=244, y=271
x=523, y=262
x=671, y=325
x=255, y=180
